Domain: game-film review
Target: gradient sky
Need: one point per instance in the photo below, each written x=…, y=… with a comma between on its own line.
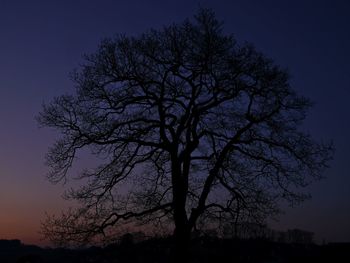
x=42, y=41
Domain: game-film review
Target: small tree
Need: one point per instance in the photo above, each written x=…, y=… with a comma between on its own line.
x=193, y=127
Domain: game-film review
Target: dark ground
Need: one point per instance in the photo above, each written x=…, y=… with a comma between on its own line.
x=159, y=250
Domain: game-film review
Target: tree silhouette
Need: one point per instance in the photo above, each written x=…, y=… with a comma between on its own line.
x=192, y=126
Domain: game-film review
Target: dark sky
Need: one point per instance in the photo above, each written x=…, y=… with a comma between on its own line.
x=42, y=41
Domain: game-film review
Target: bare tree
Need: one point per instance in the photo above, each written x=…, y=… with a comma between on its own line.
x=193, y=127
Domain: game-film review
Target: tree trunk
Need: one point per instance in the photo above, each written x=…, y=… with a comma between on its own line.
x=182, y=227
x=182, y=235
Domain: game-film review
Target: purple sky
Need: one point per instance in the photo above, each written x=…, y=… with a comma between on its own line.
x=42, y=41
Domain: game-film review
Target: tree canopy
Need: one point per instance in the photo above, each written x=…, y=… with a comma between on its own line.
x=193, y=127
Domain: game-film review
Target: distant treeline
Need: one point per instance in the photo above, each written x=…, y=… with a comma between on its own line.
x=204, y=249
